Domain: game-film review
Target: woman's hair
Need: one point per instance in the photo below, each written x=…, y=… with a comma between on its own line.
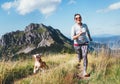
x=76, y=15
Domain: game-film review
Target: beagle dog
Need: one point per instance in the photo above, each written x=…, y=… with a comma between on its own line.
x=39, y=64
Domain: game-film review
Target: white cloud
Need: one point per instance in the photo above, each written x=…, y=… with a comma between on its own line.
x=7, y=5
x=114, y=6
x=72, y=2
x=23, y=7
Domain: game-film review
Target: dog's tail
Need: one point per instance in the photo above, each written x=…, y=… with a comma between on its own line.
x=44, y=65
x=47, y=67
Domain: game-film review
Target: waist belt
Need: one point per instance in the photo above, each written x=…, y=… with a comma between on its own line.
x=81, y=44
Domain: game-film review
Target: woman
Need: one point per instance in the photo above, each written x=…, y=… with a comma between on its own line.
x=80, y=35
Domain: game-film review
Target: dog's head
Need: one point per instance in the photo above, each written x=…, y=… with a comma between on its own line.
x=37, y=57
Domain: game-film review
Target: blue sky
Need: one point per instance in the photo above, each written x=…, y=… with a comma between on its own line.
x=101, y=16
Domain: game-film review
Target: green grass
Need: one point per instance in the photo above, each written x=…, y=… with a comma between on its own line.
x=106, y=70
x=103, y=70
x=10, y=71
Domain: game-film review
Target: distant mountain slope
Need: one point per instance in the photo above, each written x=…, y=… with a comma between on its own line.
x=113, y=41
x=35, y=38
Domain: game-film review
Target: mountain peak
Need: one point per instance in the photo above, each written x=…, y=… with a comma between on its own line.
x=34, y=36
x=33, y=26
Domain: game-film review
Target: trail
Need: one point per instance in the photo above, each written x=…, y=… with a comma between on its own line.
x=72, y=62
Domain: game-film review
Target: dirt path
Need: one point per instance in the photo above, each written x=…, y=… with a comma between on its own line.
x=72, y=62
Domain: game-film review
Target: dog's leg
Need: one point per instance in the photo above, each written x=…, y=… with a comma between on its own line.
x=45, y=65
x=42, y=69
x=35, y=69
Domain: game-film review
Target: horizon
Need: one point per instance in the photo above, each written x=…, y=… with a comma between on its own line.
x=68, y=36
x=94, y=36
x=100, y=18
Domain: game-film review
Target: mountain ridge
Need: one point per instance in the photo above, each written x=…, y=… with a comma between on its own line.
x=36, y=38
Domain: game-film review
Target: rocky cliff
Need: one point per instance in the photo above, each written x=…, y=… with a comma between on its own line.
x=35, y=38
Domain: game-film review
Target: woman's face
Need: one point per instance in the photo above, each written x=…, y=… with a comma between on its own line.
x=78, y=19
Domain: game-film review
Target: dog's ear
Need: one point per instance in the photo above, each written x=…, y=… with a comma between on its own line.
x=34, y=56
x=37, y=56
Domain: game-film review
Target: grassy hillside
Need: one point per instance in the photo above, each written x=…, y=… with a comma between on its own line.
x=103, y=70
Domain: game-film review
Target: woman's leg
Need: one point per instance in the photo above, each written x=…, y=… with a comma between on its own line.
x=85, y=59
x=79, y=52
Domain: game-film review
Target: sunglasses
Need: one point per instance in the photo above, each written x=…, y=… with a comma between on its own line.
x=78, y=18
